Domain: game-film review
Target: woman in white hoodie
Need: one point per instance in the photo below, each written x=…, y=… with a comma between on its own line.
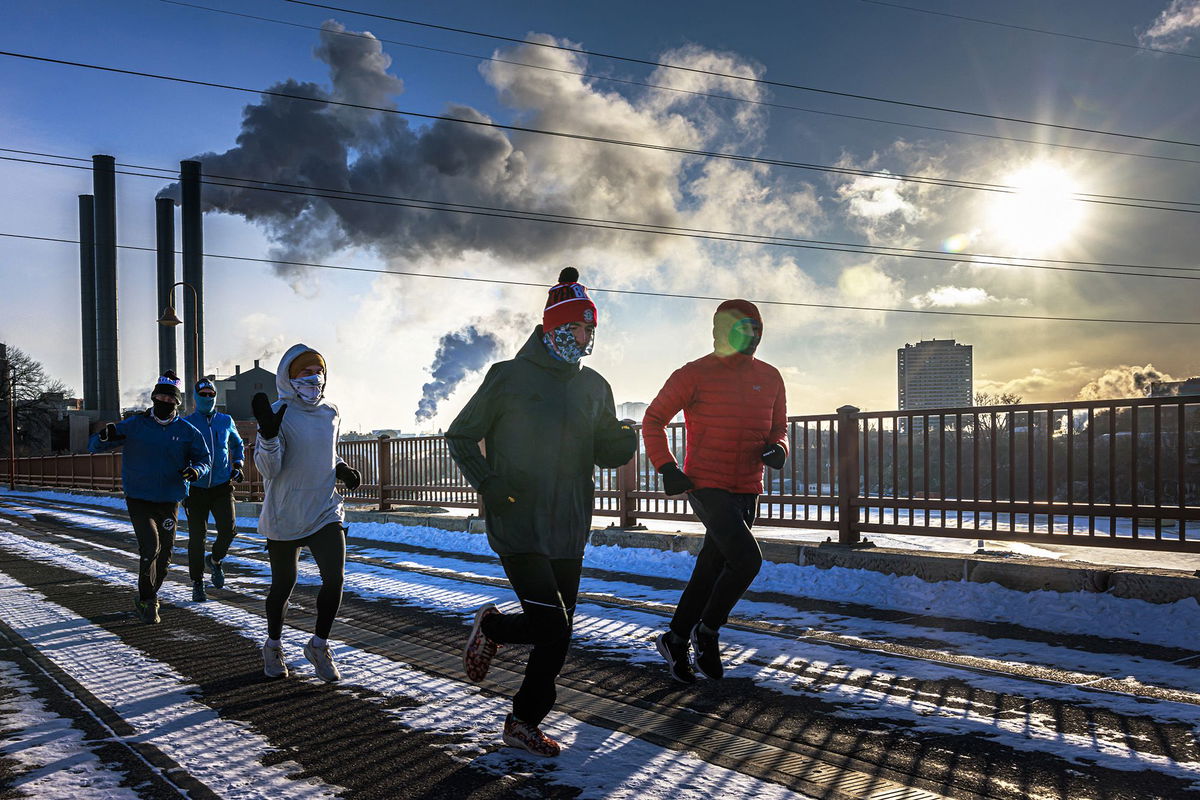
x=296, y=452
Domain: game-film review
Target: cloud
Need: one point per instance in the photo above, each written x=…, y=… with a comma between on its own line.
x=1174, y=27
x=1123, y=381
x=950, y=296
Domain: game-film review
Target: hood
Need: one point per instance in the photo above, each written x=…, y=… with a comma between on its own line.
x=535, y=350
x=283, y=384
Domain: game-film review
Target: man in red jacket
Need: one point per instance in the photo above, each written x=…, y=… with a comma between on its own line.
x=735, y=415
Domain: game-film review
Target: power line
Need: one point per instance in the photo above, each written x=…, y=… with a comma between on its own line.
x=1033, y=30
x=633, y=226
x=1101, y=199
x=731, y=76
x=692, y=92
x=634, y=292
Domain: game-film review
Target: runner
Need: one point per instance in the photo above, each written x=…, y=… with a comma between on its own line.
x=296, y=452
x=735, y=416
x=214, y=493
x=547, y=423
x=160, y=454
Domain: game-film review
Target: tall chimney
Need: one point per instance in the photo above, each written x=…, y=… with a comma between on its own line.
x=164, y=217
x=104, y=187
x=87, y=297
x=192, y=228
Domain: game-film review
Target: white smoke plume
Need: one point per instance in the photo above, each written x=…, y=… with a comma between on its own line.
x=1122, y=382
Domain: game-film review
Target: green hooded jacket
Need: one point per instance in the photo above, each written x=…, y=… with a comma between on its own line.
x=545, y=425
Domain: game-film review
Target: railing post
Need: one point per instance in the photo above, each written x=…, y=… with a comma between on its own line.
x=848, y=474
x=383, y=463
x=627, y=482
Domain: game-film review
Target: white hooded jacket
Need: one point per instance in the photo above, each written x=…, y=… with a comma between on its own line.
x=298, y=465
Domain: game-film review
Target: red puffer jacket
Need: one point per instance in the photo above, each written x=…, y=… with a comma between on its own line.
x=734, y=408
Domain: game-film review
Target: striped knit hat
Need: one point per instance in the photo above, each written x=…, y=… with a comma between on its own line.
x=568, y=302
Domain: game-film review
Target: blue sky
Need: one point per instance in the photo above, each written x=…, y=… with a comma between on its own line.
x=382, y=332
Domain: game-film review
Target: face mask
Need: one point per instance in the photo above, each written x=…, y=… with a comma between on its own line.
x=310, y=389
x=562, y=345
x=163, y=411
x=205, y=405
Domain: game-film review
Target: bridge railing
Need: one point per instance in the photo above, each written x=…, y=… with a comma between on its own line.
x=1121, y=473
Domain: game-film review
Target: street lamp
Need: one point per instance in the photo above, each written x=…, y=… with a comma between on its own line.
x=171, y=319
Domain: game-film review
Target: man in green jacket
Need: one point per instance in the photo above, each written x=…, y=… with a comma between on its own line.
x=546, y=423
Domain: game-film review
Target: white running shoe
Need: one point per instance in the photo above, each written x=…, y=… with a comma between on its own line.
x=322, y=660
x=273, y=664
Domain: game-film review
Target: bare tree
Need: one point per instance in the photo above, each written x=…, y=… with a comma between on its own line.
x=30, y=386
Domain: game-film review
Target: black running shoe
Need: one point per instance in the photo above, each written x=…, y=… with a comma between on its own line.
x=677, y=658
x=198, y=593
x=217, y=571
x=706, y=654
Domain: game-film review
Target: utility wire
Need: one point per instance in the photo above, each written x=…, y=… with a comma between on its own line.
x=1101, y=199
x=633, y=292
x=731, y=76
x=678, y=90
x=1033, y=30
x=633, y=226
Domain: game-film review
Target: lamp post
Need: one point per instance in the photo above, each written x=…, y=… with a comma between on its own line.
x=171, y=319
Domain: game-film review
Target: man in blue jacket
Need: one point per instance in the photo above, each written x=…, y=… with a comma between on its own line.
x=161, y=453
x=213, y=493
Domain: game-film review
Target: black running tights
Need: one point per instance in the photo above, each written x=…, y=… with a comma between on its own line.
x=328, y=548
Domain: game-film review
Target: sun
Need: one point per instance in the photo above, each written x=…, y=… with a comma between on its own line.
x=1041, y=214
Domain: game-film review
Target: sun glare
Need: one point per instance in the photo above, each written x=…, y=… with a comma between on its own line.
x=1041, y=214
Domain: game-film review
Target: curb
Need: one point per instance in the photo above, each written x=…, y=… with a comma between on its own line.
x=1023, y=574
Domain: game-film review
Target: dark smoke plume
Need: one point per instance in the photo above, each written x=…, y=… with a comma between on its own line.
x=459, y=353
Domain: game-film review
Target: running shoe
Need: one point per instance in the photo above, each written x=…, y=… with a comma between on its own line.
x=218, y=573
x=198, y=594
x=529, y=737
x=706, y=654
x=273, y=664
x=479, y=650
x=146, y=610
x=676, y=656
x=322, y=660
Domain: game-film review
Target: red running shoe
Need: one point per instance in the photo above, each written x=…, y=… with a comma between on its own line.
x=529, y=737
x=478, y=653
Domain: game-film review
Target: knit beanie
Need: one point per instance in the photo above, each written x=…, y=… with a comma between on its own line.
x=568, y=302
x=169, y=383
x=204, y=383
x=743, y=307
x=309, y=358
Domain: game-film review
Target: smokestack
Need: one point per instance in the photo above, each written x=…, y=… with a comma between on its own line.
x=192, y=228
x=164, y=214
x=87, y=297
x=108, y=391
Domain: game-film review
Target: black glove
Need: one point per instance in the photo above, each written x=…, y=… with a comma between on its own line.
x=615, y=443
x=236, y=474
x=674, y=481
x=499, y=496
x=190, y=473
x=775, y=456
x=110, y=434
x=348, y=475
x=268, y=420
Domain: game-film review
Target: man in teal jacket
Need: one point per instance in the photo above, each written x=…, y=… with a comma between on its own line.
x=161, y=453
x=213, y=493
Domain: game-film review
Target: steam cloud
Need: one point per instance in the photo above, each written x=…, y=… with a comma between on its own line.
x=1123, y=381
x=459, y=353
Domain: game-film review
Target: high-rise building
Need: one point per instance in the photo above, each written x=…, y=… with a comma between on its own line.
x=934, y=374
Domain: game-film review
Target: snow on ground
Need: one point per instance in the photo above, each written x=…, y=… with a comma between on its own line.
x=55, y=760
x=1173, y=625
x=603, y=763
x=776, y=662
x=154, y=699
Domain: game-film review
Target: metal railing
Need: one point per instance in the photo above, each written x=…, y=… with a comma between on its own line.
x=1121, y=473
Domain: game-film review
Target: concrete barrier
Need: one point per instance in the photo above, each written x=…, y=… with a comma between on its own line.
x=1021, y=573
